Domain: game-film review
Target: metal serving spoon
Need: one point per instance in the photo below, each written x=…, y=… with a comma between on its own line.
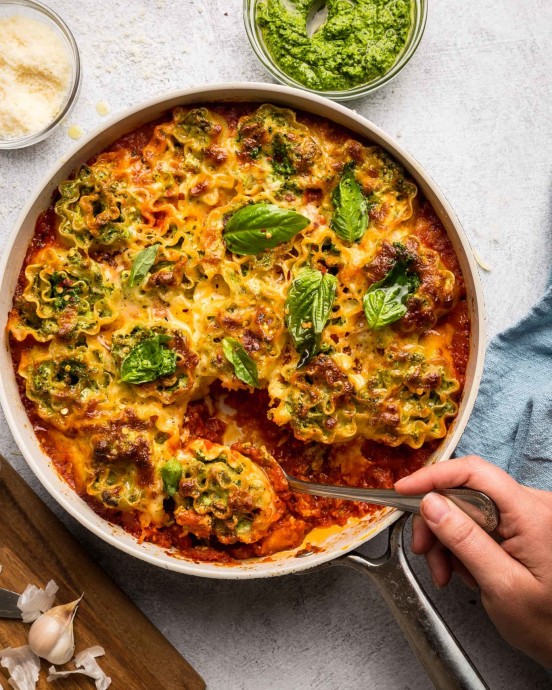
x=476, y=504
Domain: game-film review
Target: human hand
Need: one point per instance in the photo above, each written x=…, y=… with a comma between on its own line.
x=515, y=575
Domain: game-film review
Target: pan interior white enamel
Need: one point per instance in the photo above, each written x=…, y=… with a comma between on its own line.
x=338, y=542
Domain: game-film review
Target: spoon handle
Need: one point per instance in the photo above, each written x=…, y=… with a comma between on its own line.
x=476, y=504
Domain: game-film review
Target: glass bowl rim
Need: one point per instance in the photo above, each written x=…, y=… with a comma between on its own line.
x=72, y=91
x=420, y=8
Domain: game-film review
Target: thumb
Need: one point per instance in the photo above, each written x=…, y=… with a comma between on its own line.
x=478, y=551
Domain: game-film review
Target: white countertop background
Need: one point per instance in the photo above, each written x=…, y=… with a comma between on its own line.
x=474, y=107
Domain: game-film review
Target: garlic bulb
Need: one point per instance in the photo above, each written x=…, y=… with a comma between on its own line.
x=51, y=636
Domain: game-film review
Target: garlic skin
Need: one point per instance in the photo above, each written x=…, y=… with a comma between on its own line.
x=35, y=601
x=51, y=636
x=85, y=660
x=23, y=667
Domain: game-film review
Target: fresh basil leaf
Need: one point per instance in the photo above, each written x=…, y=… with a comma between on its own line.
x=141, y=265
x=171, y=474
x=308, y=306
x=244, y=367
x=350, y=218
x=257, y=227
x=148, y=361
x=385, y=301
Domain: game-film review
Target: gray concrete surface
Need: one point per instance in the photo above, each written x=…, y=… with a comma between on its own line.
x=474, y=107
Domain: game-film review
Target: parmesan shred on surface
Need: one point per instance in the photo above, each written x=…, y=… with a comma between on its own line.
x=35, y=71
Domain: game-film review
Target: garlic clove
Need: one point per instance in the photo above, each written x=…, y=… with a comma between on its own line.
x=63, y=650
x=51, y=636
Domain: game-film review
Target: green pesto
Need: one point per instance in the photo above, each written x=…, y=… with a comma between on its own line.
x=359, y=41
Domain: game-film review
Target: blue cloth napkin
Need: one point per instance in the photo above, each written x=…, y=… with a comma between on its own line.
x=511, y=424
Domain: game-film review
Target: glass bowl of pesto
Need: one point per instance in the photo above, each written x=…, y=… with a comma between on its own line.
x=341, y=49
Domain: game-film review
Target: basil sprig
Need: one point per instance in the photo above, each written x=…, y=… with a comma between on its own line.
x=308, y=306
x=245, y=368
x=350, y=218
x=257, y=227
x=385, y=301
x=149, y=361
x=171, y=474
x=141, y=265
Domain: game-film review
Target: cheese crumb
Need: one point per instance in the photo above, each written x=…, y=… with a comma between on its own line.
x=102, y=108
x=35, y=72
x=481, y=261
x=75, y=131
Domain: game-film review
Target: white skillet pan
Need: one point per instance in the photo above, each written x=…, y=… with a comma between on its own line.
x=334, y=543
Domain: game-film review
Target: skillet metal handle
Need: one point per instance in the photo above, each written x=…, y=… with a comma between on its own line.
x=442, y=656
x=476, y=504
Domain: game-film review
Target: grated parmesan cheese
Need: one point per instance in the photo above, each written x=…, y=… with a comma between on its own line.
x=35, y=70
x=481, y=261
x=102, y=108
x=75, y=131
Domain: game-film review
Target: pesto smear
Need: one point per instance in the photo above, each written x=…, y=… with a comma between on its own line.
x=357, y=41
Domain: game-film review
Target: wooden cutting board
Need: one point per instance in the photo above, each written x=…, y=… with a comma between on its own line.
x=36, y=547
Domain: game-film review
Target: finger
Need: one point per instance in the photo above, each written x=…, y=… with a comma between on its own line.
x=470, y=471
x=463, y=573
x=439, y=564
x=483, y=557
x=422, y=537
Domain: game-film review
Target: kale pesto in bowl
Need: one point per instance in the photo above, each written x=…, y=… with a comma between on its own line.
x=341, y=49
